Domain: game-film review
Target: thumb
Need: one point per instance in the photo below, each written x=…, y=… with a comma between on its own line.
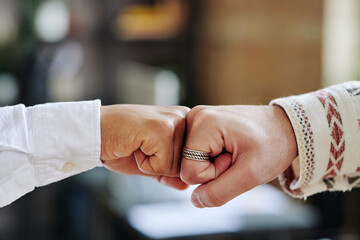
x=196, y=172
x=235, y=181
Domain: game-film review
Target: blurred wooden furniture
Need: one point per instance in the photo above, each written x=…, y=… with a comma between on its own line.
x=252, y=51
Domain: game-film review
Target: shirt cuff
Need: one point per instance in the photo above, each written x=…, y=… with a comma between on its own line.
x=323, y=122
x=66, y=139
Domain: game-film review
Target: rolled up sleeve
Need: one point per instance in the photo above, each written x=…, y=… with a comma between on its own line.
x=46, y=143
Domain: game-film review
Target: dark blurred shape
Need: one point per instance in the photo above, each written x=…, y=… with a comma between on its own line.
x=162, y=20
x=9, y=90
x=8, y=23
x=33, y=75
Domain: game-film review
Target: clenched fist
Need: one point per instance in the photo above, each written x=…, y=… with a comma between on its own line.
x=144, y=140
x=250, y=145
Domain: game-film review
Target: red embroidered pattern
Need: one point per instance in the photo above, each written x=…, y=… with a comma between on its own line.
x=291, y=182
x=337, y=148
x=285, y=181
x=306, y=145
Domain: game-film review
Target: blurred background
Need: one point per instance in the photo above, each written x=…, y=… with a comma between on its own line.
x=169, y=52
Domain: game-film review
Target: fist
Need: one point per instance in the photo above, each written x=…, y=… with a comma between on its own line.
x=249, y=145
x=144, y=140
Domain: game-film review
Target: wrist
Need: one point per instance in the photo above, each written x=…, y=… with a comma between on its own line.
x=286, y=132
x=104, y=130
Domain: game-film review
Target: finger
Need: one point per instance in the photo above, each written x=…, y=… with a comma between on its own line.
x=178, y=141
x=178, y=147
x=173, y=182
x=166, y=159
x=203, y=135
x=159, y=163
x=161, y=152
x=196, y=172
x=128, y=165
x=222, y=163
x=235, y=181
x=125, y=165
x=140, y=158
x=193, y=112
x=143, y=162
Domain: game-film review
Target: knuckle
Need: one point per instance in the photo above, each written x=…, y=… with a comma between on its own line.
x=205, y=114
x=168, y=124
x=165, y=127
x=181, y=125
x=176, y=112
x=182, y=110
x=195, y=110
x=199, y=108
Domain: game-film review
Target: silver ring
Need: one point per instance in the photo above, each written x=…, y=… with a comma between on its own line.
x=195, y=155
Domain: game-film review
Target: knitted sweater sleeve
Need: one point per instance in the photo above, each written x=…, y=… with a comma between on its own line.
x=327, y=128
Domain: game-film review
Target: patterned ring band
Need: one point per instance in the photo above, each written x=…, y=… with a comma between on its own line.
x=196, y=155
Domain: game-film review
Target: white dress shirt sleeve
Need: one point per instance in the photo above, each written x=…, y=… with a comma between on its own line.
x=46, y=143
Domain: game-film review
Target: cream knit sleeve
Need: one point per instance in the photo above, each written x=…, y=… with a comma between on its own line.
x=327, y=128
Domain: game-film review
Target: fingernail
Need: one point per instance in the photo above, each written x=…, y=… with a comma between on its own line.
x=195, y=199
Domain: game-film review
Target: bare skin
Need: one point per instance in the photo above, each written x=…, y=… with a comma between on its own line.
x=144, y=140
x=250, y=145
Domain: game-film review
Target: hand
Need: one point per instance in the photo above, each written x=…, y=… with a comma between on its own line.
x=250, y=145
x=144, y=140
